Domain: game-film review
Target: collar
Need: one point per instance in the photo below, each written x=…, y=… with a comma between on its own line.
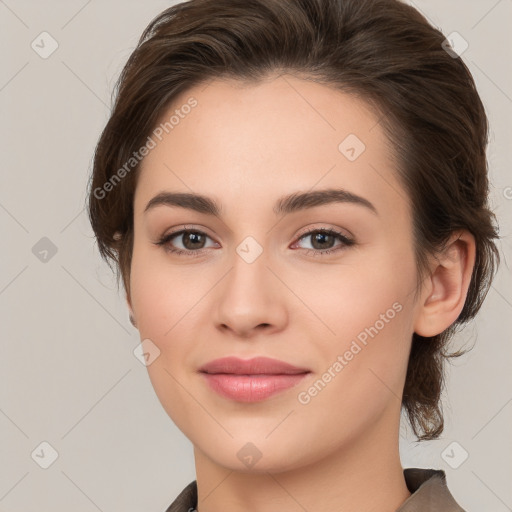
x=428, y=488
x=429, y=492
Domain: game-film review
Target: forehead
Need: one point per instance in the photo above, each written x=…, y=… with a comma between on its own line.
x=245, y=143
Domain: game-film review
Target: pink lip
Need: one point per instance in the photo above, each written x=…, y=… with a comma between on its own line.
x=251, y=380
x=254, y=366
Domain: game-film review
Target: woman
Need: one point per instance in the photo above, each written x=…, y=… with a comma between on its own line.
x=295, y=196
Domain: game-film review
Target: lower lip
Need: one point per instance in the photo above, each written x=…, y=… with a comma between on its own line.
x=251, y=388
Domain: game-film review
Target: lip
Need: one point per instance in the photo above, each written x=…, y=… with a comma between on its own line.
x=254, y=366
x=251, y=380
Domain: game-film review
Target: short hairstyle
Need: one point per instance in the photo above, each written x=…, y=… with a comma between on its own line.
x=381, y=51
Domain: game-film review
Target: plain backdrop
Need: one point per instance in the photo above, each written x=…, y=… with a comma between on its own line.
x=69, y=377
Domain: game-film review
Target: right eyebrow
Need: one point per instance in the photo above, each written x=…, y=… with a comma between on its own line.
x=196, y=202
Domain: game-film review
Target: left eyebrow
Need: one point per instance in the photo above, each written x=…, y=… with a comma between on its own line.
x=300, y=201
x=284, y=205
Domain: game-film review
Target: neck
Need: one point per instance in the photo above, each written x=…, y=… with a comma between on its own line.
x=363, y=474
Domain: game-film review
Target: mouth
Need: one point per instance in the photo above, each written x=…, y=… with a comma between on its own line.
x=254, y=366
x=251, y=380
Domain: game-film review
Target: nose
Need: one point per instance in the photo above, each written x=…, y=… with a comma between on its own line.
x=250, y=299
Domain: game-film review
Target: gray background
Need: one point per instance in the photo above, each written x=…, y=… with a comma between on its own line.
x=68, y=373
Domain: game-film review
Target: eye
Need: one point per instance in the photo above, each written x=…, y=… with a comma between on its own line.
x=323, y=239
x=192, y=242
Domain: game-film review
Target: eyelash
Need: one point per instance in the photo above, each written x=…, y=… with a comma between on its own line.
x=346, y=242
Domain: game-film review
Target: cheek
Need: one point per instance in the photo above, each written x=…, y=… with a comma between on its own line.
x=345, y=299
x=362, y=369
x=365, y=309
x=163, y=300
x=172, y=389
x=162, y=293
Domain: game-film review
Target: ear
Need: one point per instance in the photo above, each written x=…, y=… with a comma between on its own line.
x=446, y=287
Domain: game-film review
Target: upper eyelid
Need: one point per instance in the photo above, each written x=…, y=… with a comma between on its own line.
x=303, y=232
x=336, y=231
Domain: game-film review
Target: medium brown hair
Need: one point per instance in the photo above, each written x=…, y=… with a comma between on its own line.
x=382, y=51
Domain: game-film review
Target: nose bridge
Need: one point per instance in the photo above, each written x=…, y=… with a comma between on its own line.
x=248, y=280
x=250, y=294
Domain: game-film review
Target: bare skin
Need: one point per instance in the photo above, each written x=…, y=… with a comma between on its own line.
x=246, y=146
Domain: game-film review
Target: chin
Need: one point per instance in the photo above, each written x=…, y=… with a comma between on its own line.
x=265, y=456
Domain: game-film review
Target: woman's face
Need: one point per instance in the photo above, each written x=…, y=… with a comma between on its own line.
x=260, y=280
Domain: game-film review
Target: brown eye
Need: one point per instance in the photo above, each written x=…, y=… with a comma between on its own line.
x=193, y=240
x=323, y=241
x=187, y=242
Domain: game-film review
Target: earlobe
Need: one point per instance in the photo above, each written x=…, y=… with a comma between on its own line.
x=447, y=287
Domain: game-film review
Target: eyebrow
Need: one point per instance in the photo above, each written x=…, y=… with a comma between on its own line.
x=288, y=204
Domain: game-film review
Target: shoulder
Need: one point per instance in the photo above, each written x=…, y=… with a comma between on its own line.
x=186, y=500
x=429, y=492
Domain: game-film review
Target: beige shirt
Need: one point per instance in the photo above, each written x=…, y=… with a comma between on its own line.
x=428, y=487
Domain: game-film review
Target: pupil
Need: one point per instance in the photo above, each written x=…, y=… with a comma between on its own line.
x=192, y=238
x=319, y=238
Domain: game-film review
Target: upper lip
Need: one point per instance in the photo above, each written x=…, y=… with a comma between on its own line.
x=255, y=366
